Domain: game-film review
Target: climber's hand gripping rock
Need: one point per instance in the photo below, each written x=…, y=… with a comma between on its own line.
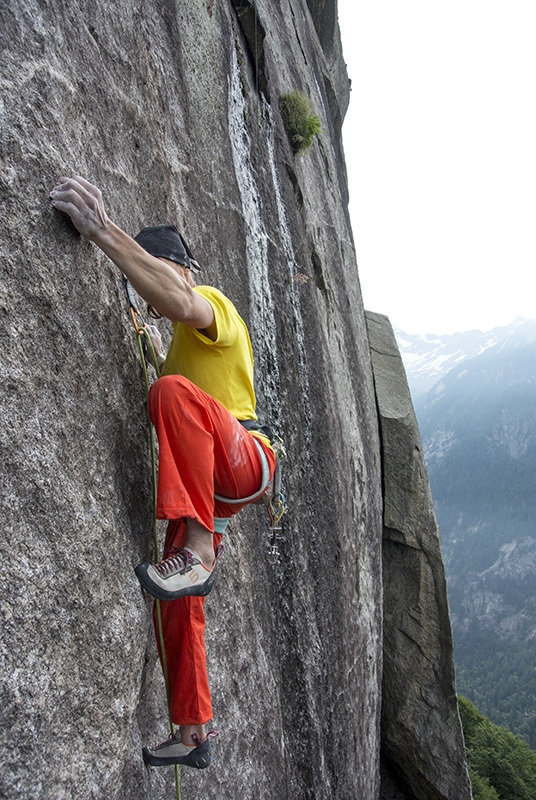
x=82, y=202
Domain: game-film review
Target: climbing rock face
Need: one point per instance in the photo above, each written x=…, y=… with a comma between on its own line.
x=172, y=109
x=165, y=107
x=422, y=742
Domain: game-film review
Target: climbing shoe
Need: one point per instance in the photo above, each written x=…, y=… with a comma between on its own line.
x=173, y=751
x=181, y=574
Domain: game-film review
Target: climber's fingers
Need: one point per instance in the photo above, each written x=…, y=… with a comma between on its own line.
x=82, y=202
x=156, y=338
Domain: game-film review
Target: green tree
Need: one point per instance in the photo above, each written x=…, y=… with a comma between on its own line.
x=498, y=760
x=481, y=787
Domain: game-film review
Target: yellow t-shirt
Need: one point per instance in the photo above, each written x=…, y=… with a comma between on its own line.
x=222, y=368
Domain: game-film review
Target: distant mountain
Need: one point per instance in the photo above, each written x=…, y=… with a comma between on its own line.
x=478, y=427
x=429, y=358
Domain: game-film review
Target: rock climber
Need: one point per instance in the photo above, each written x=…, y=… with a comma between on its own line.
x=212, y=460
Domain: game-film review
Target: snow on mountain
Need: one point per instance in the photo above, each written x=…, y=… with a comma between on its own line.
x=428, y=358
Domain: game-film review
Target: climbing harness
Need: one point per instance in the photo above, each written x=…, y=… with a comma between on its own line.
x=235, y=501
x=276, y=500
x=145, y=346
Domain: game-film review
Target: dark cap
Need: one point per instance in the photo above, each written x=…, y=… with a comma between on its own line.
x=164, y=241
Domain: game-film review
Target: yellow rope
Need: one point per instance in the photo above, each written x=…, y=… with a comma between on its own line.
x=141, y=330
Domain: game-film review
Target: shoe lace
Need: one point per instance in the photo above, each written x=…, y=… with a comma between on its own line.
x=180, y=561
x=210, y=735
x=172, y=739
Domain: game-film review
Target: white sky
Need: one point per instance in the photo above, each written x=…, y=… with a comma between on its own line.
x=440, y=145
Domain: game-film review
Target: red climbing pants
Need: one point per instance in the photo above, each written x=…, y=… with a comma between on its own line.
x=203, y=450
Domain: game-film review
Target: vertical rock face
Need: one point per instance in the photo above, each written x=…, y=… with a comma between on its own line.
x=422, y=743
x=172, y=109
x=162, y=105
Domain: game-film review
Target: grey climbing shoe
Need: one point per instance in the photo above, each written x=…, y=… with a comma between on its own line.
x=179, y=575
x=173, y=751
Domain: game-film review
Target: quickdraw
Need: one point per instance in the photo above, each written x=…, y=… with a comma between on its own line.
x=276, y=506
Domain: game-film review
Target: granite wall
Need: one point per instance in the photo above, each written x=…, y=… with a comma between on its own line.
x=171, y=107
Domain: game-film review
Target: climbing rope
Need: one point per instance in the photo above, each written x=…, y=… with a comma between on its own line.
x=145, y=346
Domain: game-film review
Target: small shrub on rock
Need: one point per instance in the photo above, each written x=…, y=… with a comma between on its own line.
x=301, y=124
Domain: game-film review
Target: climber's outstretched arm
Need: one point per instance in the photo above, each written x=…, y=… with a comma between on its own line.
x=161, y=283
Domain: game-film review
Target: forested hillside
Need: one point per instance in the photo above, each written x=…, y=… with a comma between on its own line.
x=478, y=426
x=501, y=765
